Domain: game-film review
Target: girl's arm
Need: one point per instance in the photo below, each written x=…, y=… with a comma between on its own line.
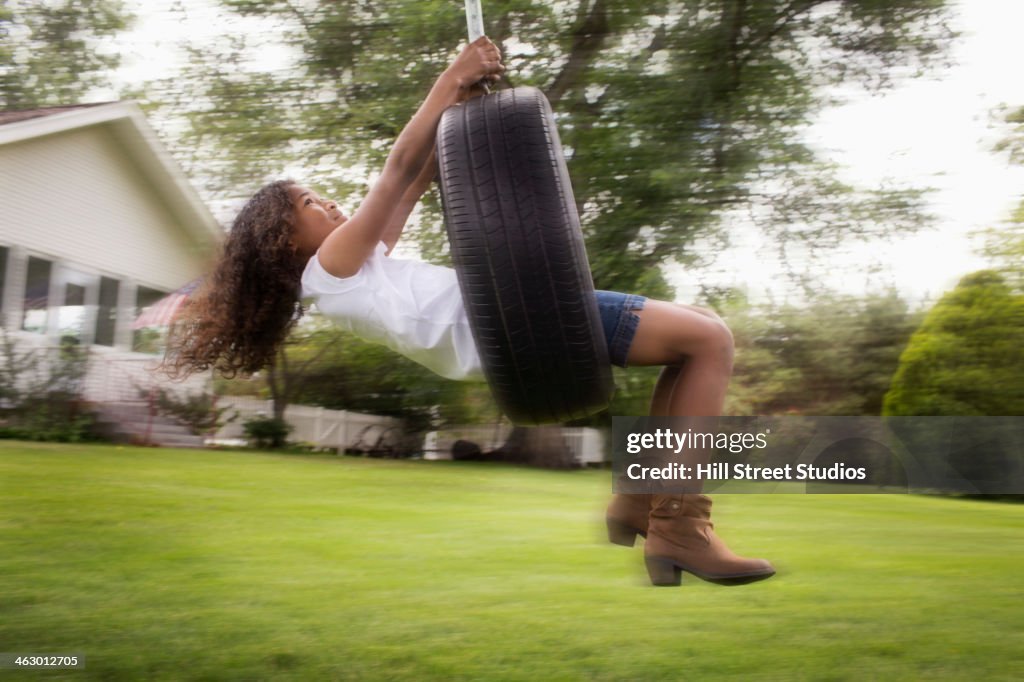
x=345, y=250
x=419, y=187
x=409, y=200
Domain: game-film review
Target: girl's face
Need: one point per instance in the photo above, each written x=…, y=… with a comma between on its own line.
x=314, y=219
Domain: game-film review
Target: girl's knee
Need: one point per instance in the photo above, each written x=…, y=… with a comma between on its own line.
x=713, y=342
x=673, y=334
x=721, y=344
x=707, y=312
x=722, y=337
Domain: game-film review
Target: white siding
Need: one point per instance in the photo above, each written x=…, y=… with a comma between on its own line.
x=76, y=196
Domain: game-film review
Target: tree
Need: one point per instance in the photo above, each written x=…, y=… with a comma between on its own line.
x=834, y=356
x=1004, y=245
x=674, y=115
x=366, y=377
x=1013, y=143
x=966, y=358
x=198, y=411
x=297, y=362
x=51, y=53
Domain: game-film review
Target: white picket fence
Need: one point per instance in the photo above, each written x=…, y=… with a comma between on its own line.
x=121, y=380
x=329, y=429
x=115, y=377
x=587, y=445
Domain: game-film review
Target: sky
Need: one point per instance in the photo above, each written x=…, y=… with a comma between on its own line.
x=934, y=132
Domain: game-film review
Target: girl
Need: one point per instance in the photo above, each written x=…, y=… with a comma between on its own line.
x=288, y=243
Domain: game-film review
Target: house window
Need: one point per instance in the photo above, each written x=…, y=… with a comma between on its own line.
x=37, y=295
x=71, y=315
x=106, y=312
x=147, y=339
x=3, y=274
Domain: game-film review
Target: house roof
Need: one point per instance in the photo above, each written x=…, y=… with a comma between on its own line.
x=26, y=114
x=138, y=140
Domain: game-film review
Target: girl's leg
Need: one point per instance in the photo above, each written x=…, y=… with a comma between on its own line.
x=693, y=344
x=663, y=390
x=696, y=348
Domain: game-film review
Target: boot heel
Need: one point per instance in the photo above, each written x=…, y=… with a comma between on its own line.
x=621, y=534
x=663, y=572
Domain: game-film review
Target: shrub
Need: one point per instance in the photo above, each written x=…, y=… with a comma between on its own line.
x=41, y=392
x=266, y=432
x=966, y=358
x=197, y=411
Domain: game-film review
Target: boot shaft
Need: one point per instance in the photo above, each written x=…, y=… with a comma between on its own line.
x=689, y=506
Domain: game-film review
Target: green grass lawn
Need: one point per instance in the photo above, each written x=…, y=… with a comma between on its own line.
x=175, y=565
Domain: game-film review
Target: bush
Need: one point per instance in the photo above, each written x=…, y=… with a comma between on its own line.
x=966, y=358
x=266, y=432
x=198, y=411
x=56, y=417
x=41, y=392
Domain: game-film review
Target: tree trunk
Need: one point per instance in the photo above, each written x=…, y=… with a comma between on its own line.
x=277, y=382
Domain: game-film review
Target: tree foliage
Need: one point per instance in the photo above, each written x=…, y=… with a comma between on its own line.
x=324, y=366
x=966, y=358
x=674, y=115
x=51, y=53
x=266, y=432
x=834, y=356
x=1004, y=245
x=198, y=411
x=1013, y=143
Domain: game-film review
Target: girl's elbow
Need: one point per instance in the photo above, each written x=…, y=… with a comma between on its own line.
x=399, y=171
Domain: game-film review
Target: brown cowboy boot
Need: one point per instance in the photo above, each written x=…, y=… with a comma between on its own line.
x=681, y=537
x=627, y=517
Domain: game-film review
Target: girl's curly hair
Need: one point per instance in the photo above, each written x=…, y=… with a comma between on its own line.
x=244, y=310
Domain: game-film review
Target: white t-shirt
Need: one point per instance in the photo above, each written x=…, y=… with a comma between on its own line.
x=411, y=307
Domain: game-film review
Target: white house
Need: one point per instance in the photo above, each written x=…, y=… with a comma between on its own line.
x=97, y=222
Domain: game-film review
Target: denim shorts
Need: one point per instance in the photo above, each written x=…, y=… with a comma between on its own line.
x=619, y=322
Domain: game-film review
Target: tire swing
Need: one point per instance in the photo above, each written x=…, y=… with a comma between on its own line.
x=518, y=251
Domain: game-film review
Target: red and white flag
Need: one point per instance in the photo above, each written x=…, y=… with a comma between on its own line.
x=162, y=313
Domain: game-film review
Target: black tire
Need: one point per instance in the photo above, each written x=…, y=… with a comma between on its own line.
x=518, y=250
